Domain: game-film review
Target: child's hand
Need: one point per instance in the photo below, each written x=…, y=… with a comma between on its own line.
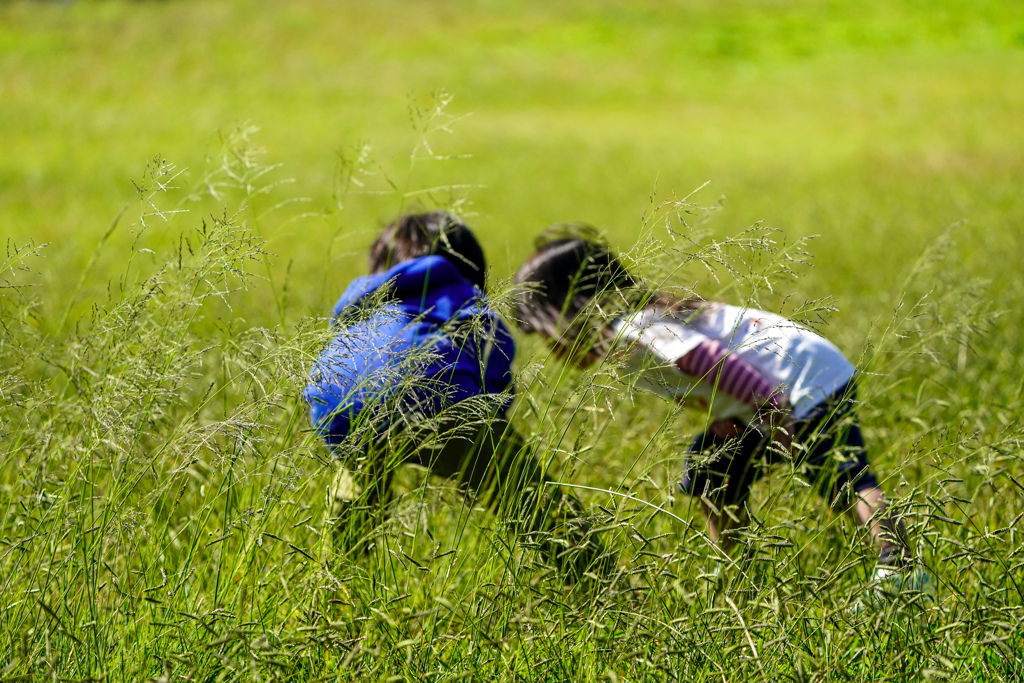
x=726, y=429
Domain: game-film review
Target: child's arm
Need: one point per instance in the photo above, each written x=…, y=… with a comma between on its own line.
x=715, y=365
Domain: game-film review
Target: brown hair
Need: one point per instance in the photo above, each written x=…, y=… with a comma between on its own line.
x=424, y=234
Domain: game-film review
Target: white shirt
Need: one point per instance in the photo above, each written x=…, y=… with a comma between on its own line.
x=805, y=366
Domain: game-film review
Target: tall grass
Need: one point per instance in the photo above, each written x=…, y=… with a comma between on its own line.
x=163, y=492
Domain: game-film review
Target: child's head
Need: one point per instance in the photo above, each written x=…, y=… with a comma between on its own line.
x=566, y=278
x=426, y=234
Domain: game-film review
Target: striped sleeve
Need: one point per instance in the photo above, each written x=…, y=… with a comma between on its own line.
x=715, y=365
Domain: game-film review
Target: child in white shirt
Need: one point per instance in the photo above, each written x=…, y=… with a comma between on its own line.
x=766, y=384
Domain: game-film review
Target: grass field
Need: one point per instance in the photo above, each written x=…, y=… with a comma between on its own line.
x=186, y=188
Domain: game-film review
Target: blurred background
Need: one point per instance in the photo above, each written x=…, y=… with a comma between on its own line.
x=875, y=124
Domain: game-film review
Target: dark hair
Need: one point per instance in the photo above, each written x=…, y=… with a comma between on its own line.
x=571, y=285
x=571, y=270
x=426, y=234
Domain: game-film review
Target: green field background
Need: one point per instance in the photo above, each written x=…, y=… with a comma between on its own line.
x=873, y=124
x=886, y=129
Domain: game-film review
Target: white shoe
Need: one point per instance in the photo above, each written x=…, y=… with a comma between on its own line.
x=713, y=574
x=890, y=581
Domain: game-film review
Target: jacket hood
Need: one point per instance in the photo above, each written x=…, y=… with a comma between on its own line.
x=420, y=279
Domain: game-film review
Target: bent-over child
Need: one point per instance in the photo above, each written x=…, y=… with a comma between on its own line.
x=767, y=385
x=419, y=371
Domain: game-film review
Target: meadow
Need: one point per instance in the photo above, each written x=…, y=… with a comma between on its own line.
x=186, y=188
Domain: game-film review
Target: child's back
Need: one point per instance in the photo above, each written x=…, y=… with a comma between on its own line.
x=786, y=354
x=418, y=338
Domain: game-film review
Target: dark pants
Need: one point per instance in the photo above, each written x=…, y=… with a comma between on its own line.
x=827, y=441
x=491, y=465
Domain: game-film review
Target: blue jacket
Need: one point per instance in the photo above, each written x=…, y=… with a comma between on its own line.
x=417, y=338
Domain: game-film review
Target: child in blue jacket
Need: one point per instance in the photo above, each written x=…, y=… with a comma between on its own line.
x=420, y=372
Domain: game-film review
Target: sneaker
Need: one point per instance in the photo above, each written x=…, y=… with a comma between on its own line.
x=713, y=573
x=890, y=581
